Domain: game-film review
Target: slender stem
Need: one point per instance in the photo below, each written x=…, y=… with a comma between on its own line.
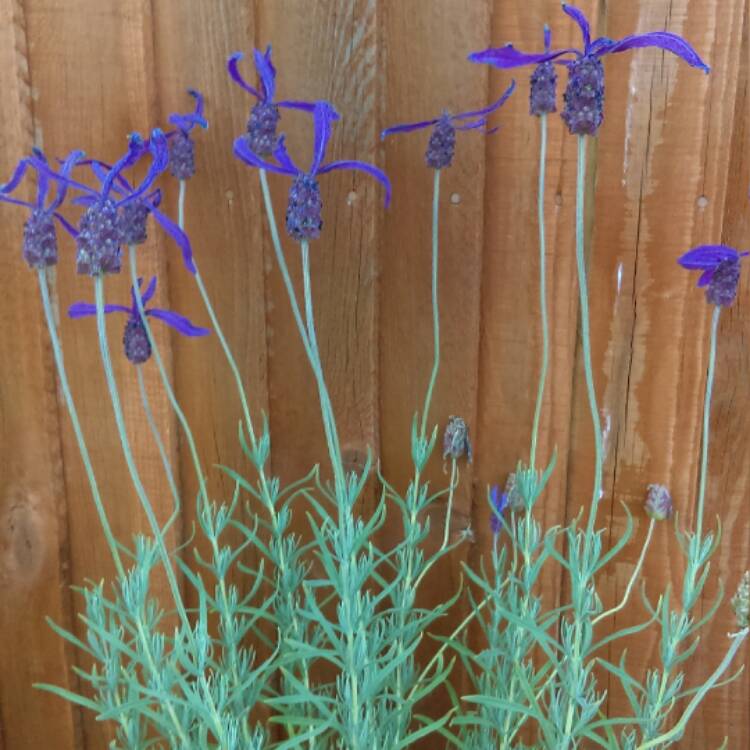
x=542, y=288
x=181, y=205
x=124, y=440
x=707, y=420
x=586, y=332
x=68, y=396
x=435, y=308
x=446, y=532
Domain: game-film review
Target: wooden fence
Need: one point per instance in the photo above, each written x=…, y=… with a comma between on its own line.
x=670, y=169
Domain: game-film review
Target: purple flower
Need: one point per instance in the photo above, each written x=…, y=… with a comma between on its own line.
x=721, y=271
x=543, y=91
x=135, y=340
x=303, y=216
x=658, y=503
x=264, y=116
x=442, y=143
x=584, y=96
x=39, y=232
x=498, y=503
x=116, y=213
x=181, y=145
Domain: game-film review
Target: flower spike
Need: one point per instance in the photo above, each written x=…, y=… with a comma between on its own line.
x=721, y=271
x=442, y=143
x=181, y=144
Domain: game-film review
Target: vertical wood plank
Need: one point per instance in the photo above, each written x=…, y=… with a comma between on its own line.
x=426, y=73
x=92, y=63
x=34, y=564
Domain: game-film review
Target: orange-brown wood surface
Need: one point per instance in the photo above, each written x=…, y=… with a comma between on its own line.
x=669, y=170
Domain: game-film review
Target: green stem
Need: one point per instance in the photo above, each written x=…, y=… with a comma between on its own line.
x=586, y=332
x=707, y=420
x=446, y=532
x=49, y=316
x=435, y=308
x=542, y=289
x=124, y=440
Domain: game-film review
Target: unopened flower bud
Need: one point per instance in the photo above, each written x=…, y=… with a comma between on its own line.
x=515, y=499
x=584, y=96
x=442, y=144
x=741, y=601
x=39, y=240
x=658, y=502
x=303, y=213
x=99, y=240
x=135, y=341
x=261, y=128
x=456, y=441
x=181, y=156
x=722, y=289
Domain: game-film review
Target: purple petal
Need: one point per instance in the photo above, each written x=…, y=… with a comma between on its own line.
x=235, y=74
x=147, y=295
x=324, y=114
x=282, y=157
x=581, y=20
x=73, y=158
x=186, y=122
x=480, y=123
x=488, y=110
x=510, y=57
x=15, y=201
x=266, y=73
x=293, y=104
x=663, y=40
x=83, y=309
x=243, y=152
x=547, y=38
x=18, y=174
x=408, y=127
x=378, y=174
x=706, y=277
x=136, y=148
x=178, y=322
x=707, y=257
x=159, y=149
x=178, y=236
x=69, y=228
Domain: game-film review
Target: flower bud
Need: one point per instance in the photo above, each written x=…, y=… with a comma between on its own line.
x=658, y=502
x=99, y=239
x=135, y=341
x=261, y=128
x=584, y=96
x=133, y=217
x=442, y=144
x=39, y=240
x=303, y=213
x=722, y=289
x=543, y=96
x=456, y=440
x=741, y=601
x=181, y=156
x=515, y=499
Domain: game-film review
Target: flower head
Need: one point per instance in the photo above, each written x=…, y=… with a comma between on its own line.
x=543, y=91
x=40, y=232
x=515, y=498
x=135, y=340
x=498, y=503
x=456, y=441
x=584, y=96
x=741, y=601
x=721, y=271
x=303, y=216
x=181, y=145
x=264, y=116
x=442, y=144
x=658, y=503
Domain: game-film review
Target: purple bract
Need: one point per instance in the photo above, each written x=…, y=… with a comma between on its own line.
x=181, y=145
x=584, y=98
x=543, y=90
x=721, y=271
x=442, y=143
x=135, y=340
x=264, y=116
x=303, y=217
x=498, y=503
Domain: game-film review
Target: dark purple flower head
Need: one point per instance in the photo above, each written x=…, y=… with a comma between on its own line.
x=721, y=271
x=303, y=217
x=181, y=145
x=456, y=443
x=584, y=98
x=264, y=116
x=442, y=143
x=543, y=91
x=498, y=503
x=658, y=503
x=135, y=339
x=39, y=232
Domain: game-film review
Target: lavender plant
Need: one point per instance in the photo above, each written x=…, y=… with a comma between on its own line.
x=330, y=655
